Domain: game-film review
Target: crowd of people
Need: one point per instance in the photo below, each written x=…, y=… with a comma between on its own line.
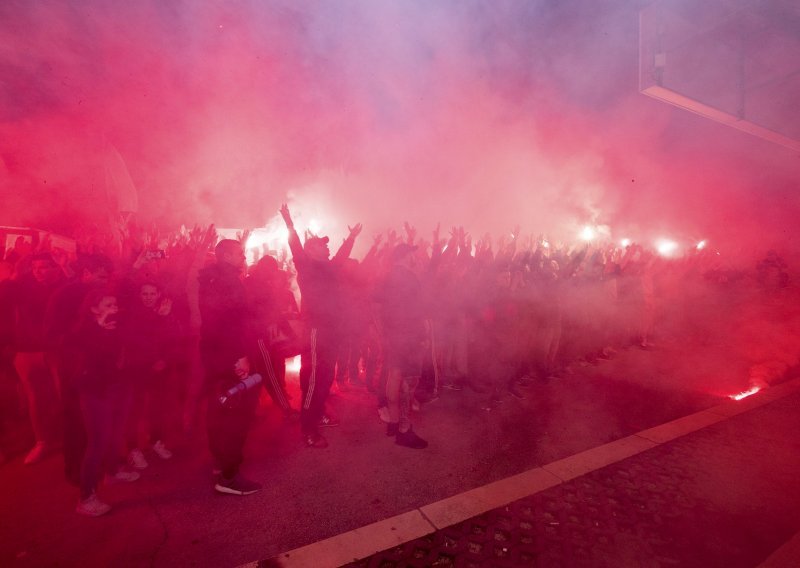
x=104, y=345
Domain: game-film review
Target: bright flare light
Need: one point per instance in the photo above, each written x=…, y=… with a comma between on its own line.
x=266, y=240
x=314, y=227
x=744, y=394
x=293, y=365
x=588, y=233
x=666, y=247
x=701, y=245
x=625, y=242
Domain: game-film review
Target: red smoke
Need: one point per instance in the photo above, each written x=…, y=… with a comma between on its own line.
x=481, y=115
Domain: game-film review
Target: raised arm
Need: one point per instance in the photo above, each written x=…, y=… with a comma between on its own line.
x=373, y=250
x=294, y=239
x=347, y=246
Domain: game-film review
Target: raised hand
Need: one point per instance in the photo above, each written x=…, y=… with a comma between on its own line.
x=355, y=230
x=165, y=307
x=208, y=238
x=287, y=216
x=411, y=232
x=462, y=237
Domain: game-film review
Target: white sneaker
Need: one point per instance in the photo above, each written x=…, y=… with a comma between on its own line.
x=136, y=459
x=123, y=476
x=36, y=454
x=92, y=507
x=383, y=414
x=161, y=450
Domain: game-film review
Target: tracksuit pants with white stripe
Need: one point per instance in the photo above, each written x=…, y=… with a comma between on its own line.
x=317, y=368
x=272, y=367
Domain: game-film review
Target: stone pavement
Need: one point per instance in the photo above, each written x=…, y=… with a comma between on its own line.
x=717, y=488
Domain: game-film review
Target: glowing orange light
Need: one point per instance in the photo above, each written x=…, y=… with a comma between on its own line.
x=744, y=394
x=701, y=245
x=625, y=242
x=588, y=233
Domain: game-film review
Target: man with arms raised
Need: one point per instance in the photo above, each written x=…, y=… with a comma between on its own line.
x=318, y=277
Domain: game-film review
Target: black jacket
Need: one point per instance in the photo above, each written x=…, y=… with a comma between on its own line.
x=224, y=336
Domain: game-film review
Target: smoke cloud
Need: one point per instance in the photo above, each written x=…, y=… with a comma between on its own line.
x=482, y=114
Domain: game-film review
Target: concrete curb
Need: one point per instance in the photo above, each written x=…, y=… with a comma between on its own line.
x=787, y=556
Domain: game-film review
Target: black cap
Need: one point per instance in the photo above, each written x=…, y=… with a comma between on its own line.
x=316, y=241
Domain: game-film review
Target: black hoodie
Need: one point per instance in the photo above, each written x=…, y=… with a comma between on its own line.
x=225, y=317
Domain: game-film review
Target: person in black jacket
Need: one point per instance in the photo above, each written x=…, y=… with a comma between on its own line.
x=150, y=337
x=405, y=339
x=62, y=316
x=224, y=346
x=93, y=359
x=320, y=309
x=273, y=308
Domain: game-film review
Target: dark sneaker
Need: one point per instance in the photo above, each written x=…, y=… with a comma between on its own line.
x=453, y=386
x=392, y=428
x=238, y=485
x=410, y=440
x=315, y=441
x=327, y=421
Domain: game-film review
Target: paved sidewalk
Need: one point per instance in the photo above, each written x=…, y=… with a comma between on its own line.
x=718, y=488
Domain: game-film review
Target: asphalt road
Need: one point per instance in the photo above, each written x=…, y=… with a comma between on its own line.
x=173, y=517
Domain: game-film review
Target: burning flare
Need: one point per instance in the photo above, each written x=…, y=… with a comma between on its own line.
x=666, y=247
x=744, y=394
x=588, y=233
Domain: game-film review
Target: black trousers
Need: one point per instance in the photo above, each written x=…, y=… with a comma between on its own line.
x=74, y=433
x=227, y=430
x=272, y=366
x=317, y=368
